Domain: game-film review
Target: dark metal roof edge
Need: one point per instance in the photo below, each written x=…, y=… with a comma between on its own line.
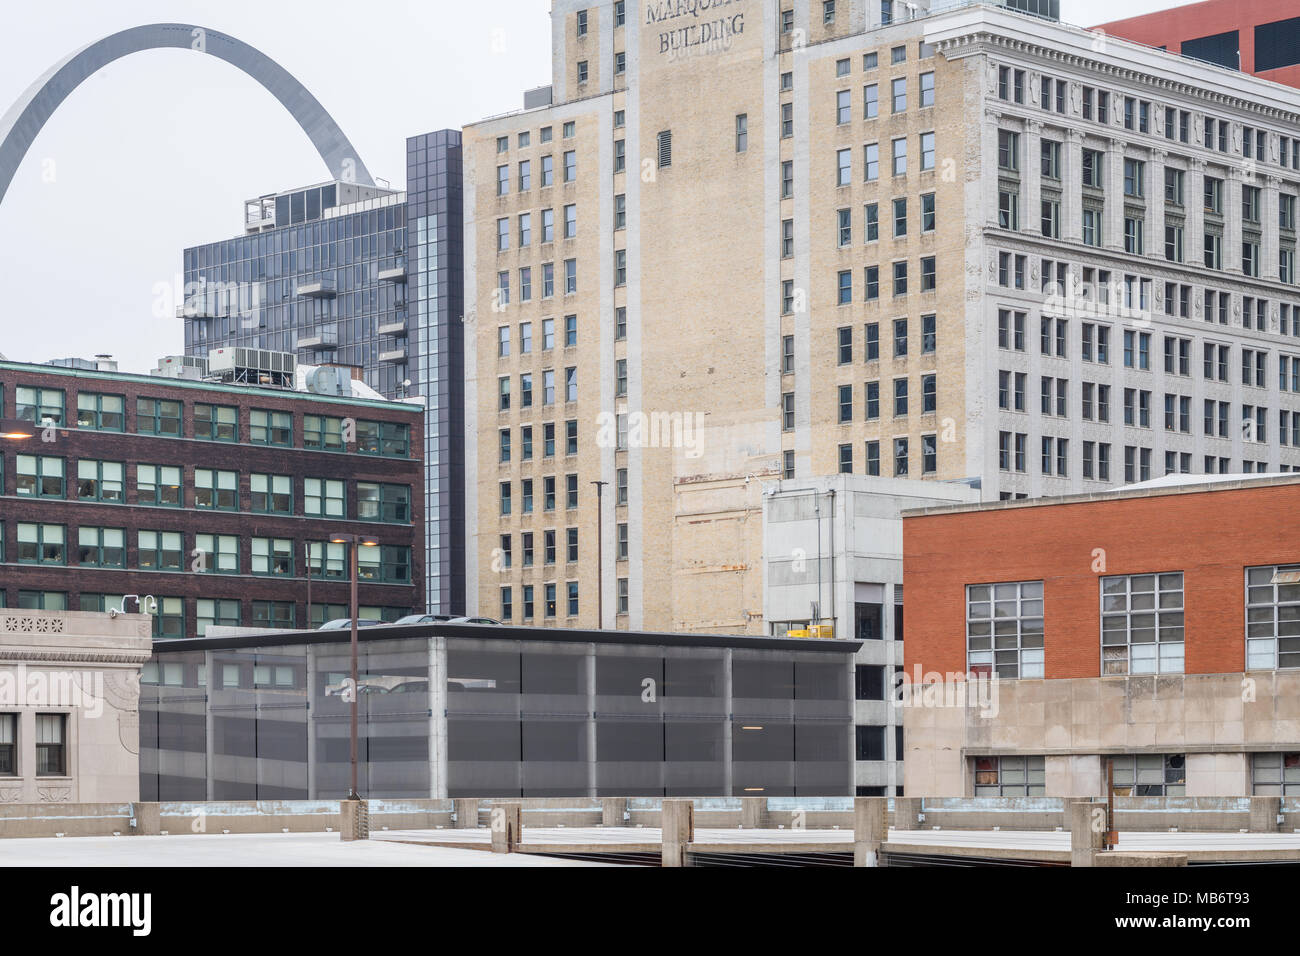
x=506, y=632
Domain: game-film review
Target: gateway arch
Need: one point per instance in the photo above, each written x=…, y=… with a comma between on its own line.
x=24, y=120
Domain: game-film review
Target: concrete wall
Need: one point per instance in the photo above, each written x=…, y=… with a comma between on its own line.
x=86, y=667
x=1075, y=722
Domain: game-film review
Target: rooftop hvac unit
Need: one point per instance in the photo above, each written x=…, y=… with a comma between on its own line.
x=182, y=366
x=252, y=366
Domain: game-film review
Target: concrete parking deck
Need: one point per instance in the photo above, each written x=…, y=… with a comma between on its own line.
x=1037, y=846
x=249, y=849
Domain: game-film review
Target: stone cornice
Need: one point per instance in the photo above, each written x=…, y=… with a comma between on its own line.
x=981, y=39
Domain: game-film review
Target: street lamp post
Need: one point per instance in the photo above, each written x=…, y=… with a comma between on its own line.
x=354, y=541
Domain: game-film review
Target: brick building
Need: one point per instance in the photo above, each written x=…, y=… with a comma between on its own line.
x=206, y=496
x=1256, y=36
x=1158, y=625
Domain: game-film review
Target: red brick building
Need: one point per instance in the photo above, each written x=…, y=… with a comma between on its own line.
x=206, y=496
x=1266, y=34
x=1160, y=621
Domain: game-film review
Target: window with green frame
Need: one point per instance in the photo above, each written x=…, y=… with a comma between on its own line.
x=218, y=490
x=42, y=544
x=320, y=613
x=43, y=600
x=322, y=432
x=270, y=428
x=217, y=554
x=327, y=560
x=158, y=485
x=39, y=405
x=169, y=621
x=160, y=550
x=216, y=422
x=273, y=614
x=100, y=412
x=272, y=494
x=323, y=497
x=101, y=481
x=383, y=502
x=273, y=556
x=386, y=564
x=101, y=603
x=221, y=612
x=40, y=476
x=390, y=439
x=101, y=547
x=158, y=416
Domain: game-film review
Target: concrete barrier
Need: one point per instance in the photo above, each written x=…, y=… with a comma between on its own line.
x=870, y=830
x=678, y=829
x=1118, y=858
x=506, y=823
x=1087, y=831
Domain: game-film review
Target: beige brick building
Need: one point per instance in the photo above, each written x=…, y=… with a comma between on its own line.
x=740, y=241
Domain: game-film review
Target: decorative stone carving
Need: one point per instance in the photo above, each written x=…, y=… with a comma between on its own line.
x=54, y=794
x=11, y=795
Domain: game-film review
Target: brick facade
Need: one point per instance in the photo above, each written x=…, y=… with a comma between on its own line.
x=73, y=444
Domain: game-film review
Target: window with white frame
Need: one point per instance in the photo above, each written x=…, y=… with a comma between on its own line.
x=1004, y=629
x=1150, y=775
x=1272, y=774
x=1010, y=777
x=1142, y=624
x=1273, y=617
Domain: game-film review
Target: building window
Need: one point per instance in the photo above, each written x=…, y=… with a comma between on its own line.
x=322, y=432
x=40, y=405
x=51, y=745
x=160, y=550
x=1272, y=774
x=218, y=490
x=8, y=745
x=155, y=416
x=105, y=413
x=216, y=422
x=270, y=428
x=40, y=476
x=1142, y=624
x=158, y=485
x=1272, y=617
x=1149, y=775
x=271, y=494
x=1009, y=777
x=1004, y=629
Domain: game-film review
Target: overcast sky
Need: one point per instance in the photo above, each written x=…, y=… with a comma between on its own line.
x=158, y=150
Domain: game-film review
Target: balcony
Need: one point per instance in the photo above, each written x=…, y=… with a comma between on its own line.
x=396, y=328
x=323, y=288
x=393, y=356
x=322, y=337
x=395, y=272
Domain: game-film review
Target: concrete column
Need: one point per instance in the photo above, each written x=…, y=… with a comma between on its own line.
x=1194, y=203
x=507, y=826
x=148, y=819
x=438, y=718
x=1072, y=174
x=728, y=778
x=677, y=823
x=753, y=812
x=1031, y=195
x=591, y=720
x=612, y=810
x=354, y=820
x=1154, y=240
x=1113, y=230
x=1232, y=221
x=1264, y=814
x=466, y=814
x=989, y=144
x=1269, y=244
x=870, y=829
x=907, y=813
x=1087, y=820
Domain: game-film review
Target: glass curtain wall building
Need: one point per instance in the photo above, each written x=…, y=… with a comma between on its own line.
x=364, y=277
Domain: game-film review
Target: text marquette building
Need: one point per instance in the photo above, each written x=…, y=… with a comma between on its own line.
x=824, y=241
